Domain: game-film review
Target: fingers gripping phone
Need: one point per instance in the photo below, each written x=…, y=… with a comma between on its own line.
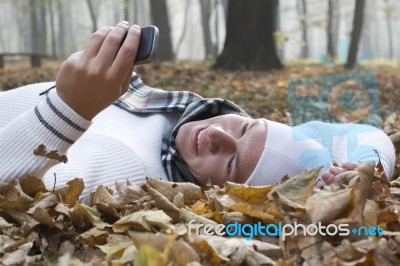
x=147, y=45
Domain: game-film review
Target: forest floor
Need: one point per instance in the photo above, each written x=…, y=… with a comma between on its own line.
x=149, y=224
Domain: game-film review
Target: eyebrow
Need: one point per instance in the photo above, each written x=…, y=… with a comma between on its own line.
x=237, y=160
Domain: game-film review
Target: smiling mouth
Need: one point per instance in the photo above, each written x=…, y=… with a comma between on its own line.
x=196, y=138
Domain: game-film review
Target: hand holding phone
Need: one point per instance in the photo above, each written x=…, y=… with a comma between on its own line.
x=91, y=80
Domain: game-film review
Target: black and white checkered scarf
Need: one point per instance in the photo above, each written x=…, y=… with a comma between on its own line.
x=143, y=99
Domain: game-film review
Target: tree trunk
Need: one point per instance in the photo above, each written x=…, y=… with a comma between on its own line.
x=185, y=23
x=216, y=28
x=61, y=29
x=356, y=33
x=389, y=28
x=52, y=29
x=159, y=14
x=205, y=6
x=35, y=32
x=329, y=30
x=249, y=42
x=43, y=27
x=302, y=13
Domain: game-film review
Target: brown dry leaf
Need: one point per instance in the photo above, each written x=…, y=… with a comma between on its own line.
x=55, y=155
x=250, y=194
x=13, y=198
x=41, y=150
x=32, y=186
x=143, y=220
x=18, y=256
x=129, y=192
x=94, y=236
x=191, y=192
x=163, y=203
x=83, y=216
x=255, y=258
x=370, y=214
x=187, y=216
x=237, y=198
x=233, y=251
x=102, y=195
x=361, y=191
x=75, y=188
x=127, y=256
x=42, y=216
x=299, y=187
x=114, y=250
x=200, y=207
x=178, y=251
x=291, y=209
x=327, y=206
x=4, y=224
x=46, y=201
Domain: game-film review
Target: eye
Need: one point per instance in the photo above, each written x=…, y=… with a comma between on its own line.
x=229, y=166
x=245, y=126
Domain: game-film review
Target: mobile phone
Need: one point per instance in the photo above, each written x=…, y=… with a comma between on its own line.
x=147, y=45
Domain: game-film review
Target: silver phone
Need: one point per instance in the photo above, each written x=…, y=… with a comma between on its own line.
x=147, y=46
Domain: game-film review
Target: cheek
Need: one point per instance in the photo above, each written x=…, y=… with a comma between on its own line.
x=204, y=168
x=180, y=141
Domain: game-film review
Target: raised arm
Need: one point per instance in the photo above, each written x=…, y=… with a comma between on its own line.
x=87, y=83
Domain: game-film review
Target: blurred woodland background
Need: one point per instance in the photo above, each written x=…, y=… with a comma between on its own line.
x=246, y=51
x=210, y=29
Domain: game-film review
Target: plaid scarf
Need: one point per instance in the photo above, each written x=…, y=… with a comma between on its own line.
x=143, y=99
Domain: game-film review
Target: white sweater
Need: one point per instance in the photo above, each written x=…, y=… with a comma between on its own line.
x=114, y=146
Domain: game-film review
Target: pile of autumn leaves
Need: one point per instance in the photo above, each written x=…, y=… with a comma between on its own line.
x=148, y=225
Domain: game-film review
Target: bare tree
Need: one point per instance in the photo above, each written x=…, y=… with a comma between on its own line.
x=159, y=15
x=356, y=33
x=62, y=13
x=206, y=9
x=52, y=29
x=302, y=13
x=249, y=42
x=216, y=28
x=329, y=29
x=35, y=32
x=389, y=8
x=185, y=22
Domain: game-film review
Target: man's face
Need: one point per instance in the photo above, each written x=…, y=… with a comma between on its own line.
x=222, y=148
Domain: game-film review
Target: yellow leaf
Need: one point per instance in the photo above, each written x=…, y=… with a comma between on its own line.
x=75, y=188
x=148, y=256
x=249, y=200
x=249, y=194
x=114, y=250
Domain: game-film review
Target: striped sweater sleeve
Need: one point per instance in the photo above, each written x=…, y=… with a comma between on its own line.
x=50, y=122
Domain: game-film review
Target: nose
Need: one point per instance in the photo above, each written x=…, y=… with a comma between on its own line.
x=220, y=140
